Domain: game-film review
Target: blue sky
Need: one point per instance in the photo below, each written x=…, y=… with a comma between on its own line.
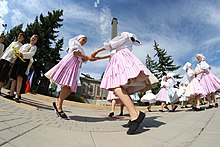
x=182, y=27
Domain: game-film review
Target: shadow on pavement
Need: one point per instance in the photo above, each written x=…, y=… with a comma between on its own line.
x=150, y=122
x=95, y=119
x=31, y=102
x=36, y=104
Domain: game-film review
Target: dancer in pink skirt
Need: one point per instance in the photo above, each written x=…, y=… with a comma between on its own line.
x=208, y=80
x=66, y=72
x=193, y=89
x=148, y=98
x=125, y=74
x=114, y=101
x=183, y=99
x=162, y=95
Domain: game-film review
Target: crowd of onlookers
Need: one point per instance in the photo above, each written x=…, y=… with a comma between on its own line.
x=15, y=63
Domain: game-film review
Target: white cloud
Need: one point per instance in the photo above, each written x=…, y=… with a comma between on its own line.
x=167, y=26
x=105, y=20
x=211, y=14
x=33, y=7
x=18, y=18
x=216, y=71
x=3, y=12
x=96, y=3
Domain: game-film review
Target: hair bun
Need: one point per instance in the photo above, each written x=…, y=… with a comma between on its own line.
x=132, y=39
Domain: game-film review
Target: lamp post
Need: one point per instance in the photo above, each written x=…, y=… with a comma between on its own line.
x=114, y=34
x=114, y=27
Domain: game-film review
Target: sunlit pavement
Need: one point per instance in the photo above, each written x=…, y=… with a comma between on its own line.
x=33, y=123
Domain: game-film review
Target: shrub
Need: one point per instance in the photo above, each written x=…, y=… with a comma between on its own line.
x=76, y=98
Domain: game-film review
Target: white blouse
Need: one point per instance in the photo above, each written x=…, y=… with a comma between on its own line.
x=118, y=43
x=28, y=51
x=202, y=65
x=121, y=42
x=190, y=75
x=9, y=52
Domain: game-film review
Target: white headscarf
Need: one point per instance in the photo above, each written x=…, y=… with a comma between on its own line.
x=187, y=65
x=200, y=55
x=75, y=40
x=130, y=35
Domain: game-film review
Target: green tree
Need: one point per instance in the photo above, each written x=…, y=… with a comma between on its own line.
x=151, y=65
x=163, y=65
x=49, y=46
x=165, y=62
x=12, y=34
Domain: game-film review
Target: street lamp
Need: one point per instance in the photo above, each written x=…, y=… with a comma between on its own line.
x=5, y=27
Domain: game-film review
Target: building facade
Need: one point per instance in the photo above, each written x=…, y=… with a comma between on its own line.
x=90, y=88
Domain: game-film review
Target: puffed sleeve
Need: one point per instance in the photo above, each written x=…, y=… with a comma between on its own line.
x=204, y=65
x=115, y=43
x=73, y=48
x=107, y=46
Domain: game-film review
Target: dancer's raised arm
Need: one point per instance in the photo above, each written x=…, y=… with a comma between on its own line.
x=97, y=51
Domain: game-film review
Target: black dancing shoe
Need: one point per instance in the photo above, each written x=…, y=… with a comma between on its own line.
x=210, y=106
x=62, y=115
x=111, y=114
x=161, y=110
x=127, y=125
x=175, y=108
x=55, y=108
x=9, y=97
x=120, y=114
x=135, y=123
x=193, y=108
x=198, y=109
x=166, y=108
x=17, y=99
x=216, y=105
x=59, y=114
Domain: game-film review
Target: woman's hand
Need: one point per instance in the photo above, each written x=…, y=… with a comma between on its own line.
x=84, y=60
x=92, y=58
x=195, y=73
x=19, y=54
x=94, y=54
x=97, y=51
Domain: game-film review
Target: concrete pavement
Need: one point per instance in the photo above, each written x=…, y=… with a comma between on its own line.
x=33, y=123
